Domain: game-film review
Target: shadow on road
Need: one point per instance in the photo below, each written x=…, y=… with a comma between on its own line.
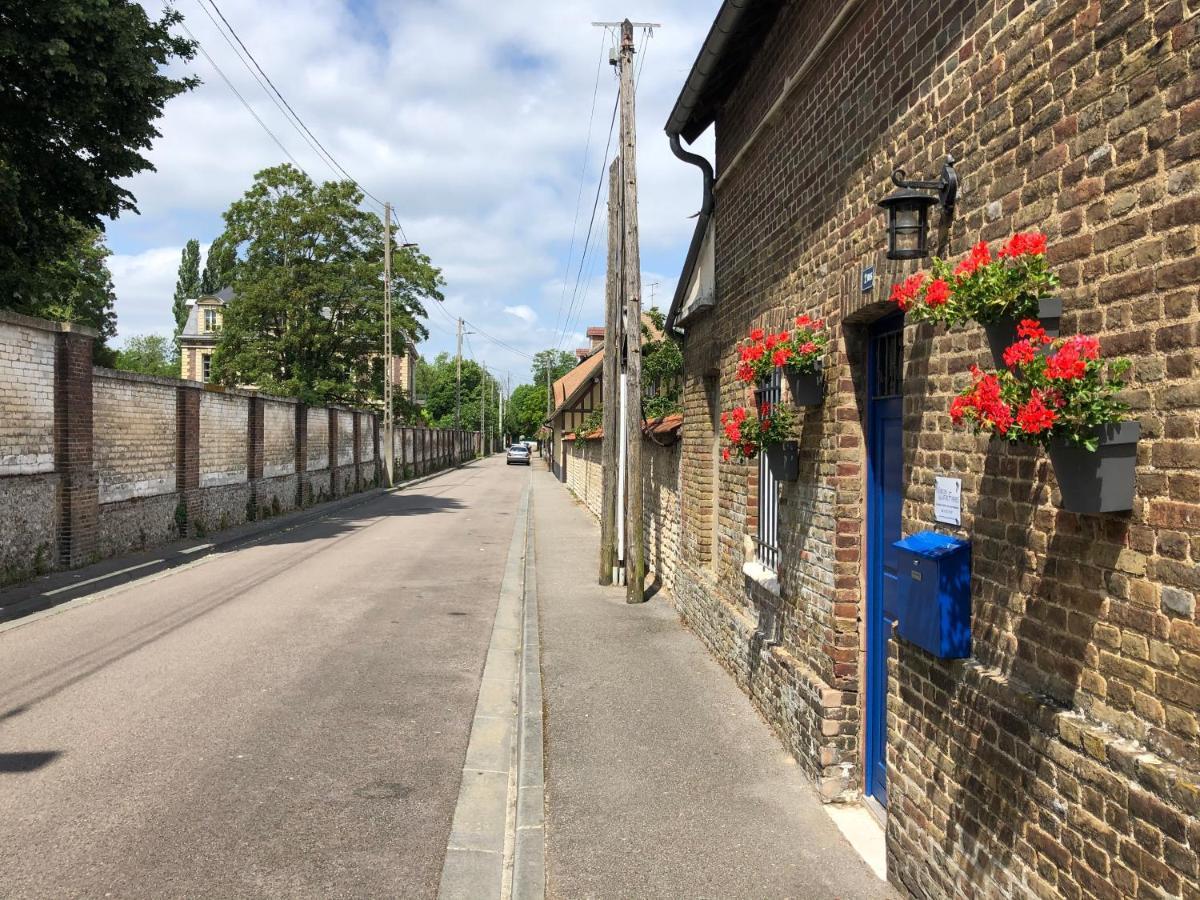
x=15, y=763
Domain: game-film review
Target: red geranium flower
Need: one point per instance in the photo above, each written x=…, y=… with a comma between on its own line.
x=937, y=293
x=1019, y=353
x=756, y=334
x=979, y=256
x=725, y=454
x=780, y=357
x=1032, y=330
x=904, y=293
x=1035, y=416
x=1026, y=243
x=803, y=320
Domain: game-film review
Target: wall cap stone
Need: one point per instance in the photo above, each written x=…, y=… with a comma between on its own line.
x=13, y=318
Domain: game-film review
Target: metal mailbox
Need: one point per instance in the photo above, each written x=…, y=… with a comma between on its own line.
x=934, y=596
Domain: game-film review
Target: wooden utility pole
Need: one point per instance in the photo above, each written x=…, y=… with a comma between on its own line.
x=635, y=545
x=610, y=385
x=458, y=378
x=389, y=461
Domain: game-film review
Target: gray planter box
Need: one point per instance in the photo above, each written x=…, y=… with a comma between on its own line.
x=1003, y=334
x=1102, y=481
x=784, y=460
x=808, y=388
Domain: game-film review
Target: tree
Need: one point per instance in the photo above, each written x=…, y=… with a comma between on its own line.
x=527, y=409
x=149, y=354
x=187, y=284
x=437, y=380
x=219, y=266
x=560, y=362
x=78, y=288
x=662, y=369
x=81, y=86
x=306, y=318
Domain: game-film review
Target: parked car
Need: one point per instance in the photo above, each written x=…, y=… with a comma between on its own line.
x=517, y=453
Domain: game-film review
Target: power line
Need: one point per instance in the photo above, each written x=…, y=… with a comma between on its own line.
x=582, y=179
x=237, y=93
x=592, y=221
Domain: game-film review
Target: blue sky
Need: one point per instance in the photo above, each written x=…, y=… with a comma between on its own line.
x=470, y=116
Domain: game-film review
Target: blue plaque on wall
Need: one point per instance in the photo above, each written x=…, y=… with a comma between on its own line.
x=868, y=279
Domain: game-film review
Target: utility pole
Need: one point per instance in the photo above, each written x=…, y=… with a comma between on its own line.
x=635, y=549
x=458, y=378
x=611, y=372
x=483, y=402
x=389, y=461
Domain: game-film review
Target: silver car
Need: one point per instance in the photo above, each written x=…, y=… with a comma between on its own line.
x=519, y=454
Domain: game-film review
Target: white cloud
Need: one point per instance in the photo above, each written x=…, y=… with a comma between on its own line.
x=522, y=312
x=469, y=115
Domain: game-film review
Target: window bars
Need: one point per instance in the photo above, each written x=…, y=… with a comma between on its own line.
x=769, y=392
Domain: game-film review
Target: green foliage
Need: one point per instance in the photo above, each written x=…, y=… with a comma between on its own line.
x=149, y=354
x=187, y=284
x=662, y=370
x=591, y=423
x=78, y=288
x=748, y=431
x=82, y=83
x=559, y=362
x=220, y=266
x=307, y=316
x=437, y=381
x=527, y=409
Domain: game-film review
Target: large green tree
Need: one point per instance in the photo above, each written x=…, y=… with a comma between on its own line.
x=527, y=410
x=307, y=315
x=187, y=283
x=149, y=354
x=437, y=384
x=78, y=287
x=559, y=362
x=81, y=86
x=219, y=266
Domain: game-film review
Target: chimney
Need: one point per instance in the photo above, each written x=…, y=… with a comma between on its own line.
x=596, y=336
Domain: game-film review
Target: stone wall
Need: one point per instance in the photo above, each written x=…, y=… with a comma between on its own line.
x=222, y=439
x=345, y=437
x=1061, y=760
x=318, y=439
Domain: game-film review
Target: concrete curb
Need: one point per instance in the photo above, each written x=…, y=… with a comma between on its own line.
x=529, y=862
x=482, y=846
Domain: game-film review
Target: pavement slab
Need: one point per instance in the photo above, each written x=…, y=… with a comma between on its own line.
x=661, y=779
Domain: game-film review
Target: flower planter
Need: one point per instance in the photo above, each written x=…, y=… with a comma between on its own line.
x=808, y=388
x=784, y=460
x=1003, y=334
x=1100, y=481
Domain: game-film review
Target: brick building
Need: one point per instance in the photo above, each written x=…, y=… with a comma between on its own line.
x=1061, y=758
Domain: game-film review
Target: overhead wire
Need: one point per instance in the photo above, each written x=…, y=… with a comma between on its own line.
x=582, y=179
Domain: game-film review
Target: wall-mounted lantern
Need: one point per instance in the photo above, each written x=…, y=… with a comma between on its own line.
x=908, y=210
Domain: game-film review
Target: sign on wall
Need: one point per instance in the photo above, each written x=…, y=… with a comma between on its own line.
x=868, y=279
x=947, y=500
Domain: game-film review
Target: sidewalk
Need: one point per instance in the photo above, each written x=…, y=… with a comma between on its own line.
x=661, y=780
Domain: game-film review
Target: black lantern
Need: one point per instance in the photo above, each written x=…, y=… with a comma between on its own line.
x=908, y=210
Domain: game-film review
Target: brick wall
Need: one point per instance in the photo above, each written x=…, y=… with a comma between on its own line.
x=318, y=439
x=279, y=438
x=660, y=486
x=134, y=435
x=222, y=439
x=26, y=398
x=345, y=444
x=1062, y=760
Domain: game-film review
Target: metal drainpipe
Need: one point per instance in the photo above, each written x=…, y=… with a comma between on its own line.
x=706, y=208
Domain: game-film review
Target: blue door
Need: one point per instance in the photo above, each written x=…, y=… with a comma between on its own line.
x=885, y=493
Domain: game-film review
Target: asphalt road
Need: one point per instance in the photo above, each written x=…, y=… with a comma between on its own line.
x=286, y=719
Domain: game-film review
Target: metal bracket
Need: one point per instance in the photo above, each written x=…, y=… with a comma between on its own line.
x=946, y=185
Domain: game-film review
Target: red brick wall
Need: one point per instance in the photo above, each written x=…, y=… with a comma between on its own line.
x=1079, y=119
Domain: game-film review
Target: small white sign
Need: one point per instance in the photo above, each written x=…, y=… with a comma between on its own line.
x=947, y=500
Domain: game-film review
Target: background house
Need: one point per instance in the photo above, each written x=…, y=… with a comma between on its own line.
x=199, y=336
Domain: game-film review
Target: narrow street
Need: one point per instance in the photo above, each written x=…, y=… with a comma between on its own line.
x=288, y=719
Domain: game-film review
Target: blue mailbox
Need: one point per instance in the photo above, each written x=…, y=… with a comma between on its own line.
x=934, y=597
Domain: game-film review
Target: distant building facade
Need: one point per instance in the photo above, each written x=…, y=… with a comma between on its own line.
x=199, y=336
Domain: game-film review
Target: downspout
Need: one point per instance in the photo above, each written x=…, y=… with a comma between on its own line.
x=706, y=209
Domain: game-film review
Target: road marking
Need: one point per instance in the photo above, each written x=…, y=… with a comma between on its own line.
x=198, y=549
x=79, y=584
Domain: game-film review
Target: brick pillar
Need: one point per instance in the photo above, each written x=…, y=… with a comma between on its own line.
x=79, y=498
x=333, y=452
x=302, y=489
x=187, y=457
x=254, y=450
x=358, y=479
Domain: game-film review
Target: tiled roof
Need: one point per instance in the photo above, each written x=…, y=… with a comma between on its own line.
x=565, y=389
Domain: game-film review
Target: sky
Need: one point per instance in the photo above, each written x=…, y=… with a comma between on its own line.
x=471, y=116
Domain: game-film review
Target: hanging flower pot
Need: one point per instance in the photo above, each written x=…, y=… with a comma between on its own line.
x=784, y=460
x=998, y=293
x=1100, y=480
x=1002, y=333
x=807, y=388
x=797, y=354
x=1064, y=397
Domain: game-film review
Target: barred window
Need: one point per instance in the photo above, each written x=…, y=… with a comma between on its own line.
x=767, y=537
